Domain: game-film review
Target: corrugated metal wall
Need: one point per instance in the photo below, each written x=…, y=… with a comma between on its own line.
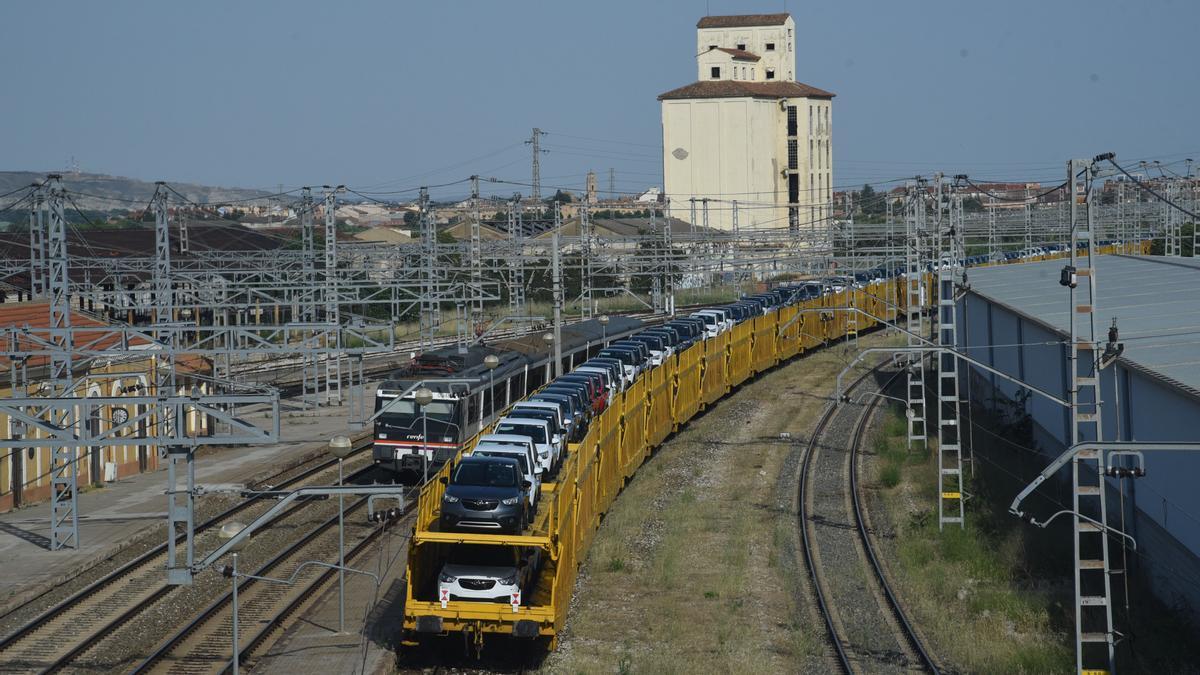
x=1163, y=508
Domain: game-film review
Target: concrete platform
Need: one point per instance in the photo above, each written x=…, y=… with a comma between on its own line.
x=112, y=517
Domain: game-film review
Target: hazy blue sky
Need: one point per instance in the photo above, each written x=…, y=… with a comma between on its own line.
x=393, y=94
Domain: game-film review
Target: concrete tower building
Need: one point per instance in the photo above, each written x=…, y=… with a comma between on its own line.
x=746, y=131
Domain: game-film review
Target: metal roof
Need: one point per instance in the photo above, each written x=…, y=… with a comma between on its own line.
x=1154, y=300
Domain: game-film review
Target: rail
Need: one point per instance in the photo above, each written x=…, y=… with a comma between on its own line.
x=137, y=566
x=910, y=633
x=907, y=633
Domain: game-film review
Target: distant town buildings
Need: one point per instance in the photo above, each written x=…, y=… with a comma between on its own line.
x=745, y=139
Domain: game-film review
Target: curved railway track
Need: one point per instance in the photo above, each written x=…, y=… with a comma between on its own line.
x=866, y=624
x=75, y=625
x=204, y=644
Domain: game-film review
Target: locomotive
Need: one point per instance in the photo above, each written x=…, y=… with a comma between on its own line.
x=413, y=440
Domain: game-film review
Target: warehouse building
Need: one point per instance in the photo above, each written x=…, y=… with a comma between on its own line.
x=1016, y=318
x=745, y=131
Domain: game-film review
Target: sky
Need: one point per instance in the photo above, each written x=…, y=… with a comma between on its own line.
x=387, y=96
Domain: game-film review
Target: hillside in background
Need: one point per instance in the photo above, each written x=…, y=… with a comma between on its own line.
x=102, y=192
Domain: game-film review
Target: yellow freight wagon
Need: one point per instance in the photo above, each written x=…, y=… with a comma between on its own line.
x=595, y=470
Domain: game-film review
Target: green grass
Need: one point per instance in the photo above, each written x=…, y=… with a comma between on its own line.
x=889, y=475
x=889, y=446
x=963, y=586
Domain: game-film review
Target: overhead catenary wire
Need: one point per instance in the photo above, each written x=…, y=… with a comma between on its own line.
x=1151, y=190
x=1031, y=198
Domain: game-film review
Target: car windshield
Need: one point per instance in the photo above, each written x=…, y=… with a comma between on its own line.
x=534, y=412
x=404, y=412
x=496, y=453
x=623, y=357
x=541, y=415
x=579, y=379
x=485, y=474
x=564, y=403
x=535, y=431
x=572, y=394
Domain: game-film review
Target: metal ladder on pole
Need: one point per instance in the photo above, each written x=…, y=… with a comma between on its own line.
x=1093, y=589
x=914, y=282
x=950, y=465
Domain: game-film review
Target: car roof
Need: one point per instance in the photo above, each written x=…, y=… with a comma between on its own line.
x=504, y=438
x=526, y=410
x=475, y=459
x=516, y=419
x=505, y=450
x=539, y=405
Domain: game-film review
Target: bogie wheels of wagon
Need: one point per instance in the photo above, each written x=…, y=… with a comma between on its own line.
x=473, y=641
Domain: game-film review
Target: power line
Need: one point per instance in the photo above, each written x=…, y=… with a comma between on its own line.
x=1151, y=190
x=998, y=198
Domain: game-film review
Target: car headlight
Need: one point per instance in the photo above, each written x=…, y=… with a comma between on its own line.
x=450, y=499
x=447, y=578
x=508, y=501
x=510, y=579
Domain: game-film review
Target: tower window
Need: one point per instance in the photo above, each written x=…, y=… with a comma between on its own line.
x=770, y=73
x=770, y=46
x=716, y=72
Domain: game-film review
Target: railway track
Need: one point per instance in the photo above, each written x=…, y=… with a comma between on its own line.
x=56, y=637
x=204, y=645
x=375, y=365
x=865, y=622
